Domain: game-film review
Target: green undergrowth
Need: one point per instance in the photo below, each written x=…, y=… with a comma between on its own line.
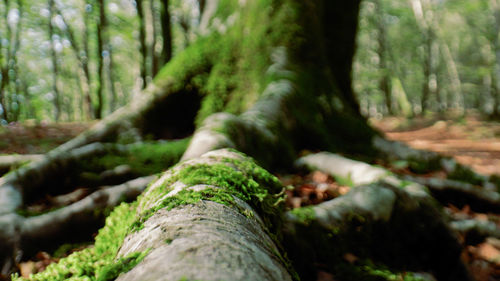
x=304, y=215
x=465, y=174
x=144, y=159
x=230, y=178
x=96, y=263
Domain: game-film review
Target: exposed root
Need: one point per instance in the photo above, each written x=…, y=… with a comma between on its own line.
x=479, y=229
x=22, y=236
x=461, y=193
x=378, y=222
x=10, y=162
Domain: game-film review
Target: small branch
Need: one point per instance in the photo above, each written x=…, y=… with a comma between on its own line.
x=81, y=217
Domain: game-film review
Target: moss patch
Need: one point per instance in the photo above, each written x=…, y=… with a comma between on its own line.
x=304, y=215
x=143, y=158
x=230, y=178
x=98, y=262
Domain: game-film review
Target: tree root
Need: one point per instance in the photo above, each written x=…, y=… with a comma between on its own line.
x=379, y=222
x=31, y=179
x=461, y=193
x=10, y=162
x=475, y=231
x=23, y=236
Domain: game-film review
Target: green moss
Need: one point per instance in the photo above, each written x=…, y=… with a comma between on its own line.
x=422, y=166
x=465, y=174
x=345, y=181
x=143, y=158
x=243, y=54
x=111, y=271
x=233, y=178
x=98, y=262
x=66, y=248
x=305, y=215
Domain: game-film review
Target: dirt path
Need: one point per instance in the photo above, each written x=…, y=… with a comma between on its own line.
x=34, y=138
x=470, y=141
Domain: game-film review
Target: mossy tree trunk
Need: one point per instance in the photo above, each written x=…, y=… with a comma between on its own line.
x=268, y=78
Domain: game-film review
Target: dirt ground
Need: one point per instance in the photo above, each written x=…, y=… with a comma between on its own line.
x=37, y=137
x=469, y=140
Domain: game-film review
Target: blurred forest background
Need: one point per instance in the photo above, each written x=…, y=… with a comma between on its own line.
x=419, y=56
x=81, y=59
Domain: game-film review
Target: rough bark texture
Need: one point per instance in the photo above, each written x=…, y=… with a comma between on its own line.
x=204, y=241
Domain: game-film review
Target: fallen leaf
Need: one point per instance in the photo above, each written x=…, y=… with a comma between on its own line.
x=350, y=258
x=27, y=268
x=320, y=177
x=488, y=252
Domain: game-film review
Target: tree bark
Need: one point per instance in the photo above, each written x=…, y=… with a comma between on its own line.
x=166, y=31
x=384, y=79
x=55, y=65
x=142, y=42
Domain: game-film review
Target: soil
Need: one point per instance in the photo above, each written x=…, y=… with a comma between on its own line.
x=37, y=137
x=470, y=140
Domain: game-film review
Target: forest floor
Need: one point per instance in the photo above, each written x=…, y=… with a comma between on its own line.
x=37, y=137
x=471, y=141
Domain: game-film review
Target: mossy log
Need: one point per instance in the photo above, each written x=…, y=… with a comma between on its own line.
x=214, y=214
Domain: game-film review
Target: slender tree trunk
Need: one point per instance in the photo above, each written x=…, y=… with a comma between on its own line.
x=112, y=79
x=155, y=55
x=55, y=66
x=427, y=65
x=17, y=88
x=86, y=59
x=100, y=60
x=4, y=69
x=166, y=29
x=495, y=76
x=384, y=79
x=82, y=57
x=456, y=84
x=142, y=42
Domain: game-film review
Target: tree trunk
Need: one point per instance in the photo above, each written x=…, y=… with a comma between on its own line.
x=55, y=65
x=142, y=42
x=385, y=79
x=85, y=61
x=166, y=31
x=155, y=55
x=83, y=58
x=101, y=41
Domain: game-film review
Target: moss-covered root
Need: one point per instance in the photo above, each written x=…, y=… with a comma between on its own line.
x=376, y=222
x=209, y=218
